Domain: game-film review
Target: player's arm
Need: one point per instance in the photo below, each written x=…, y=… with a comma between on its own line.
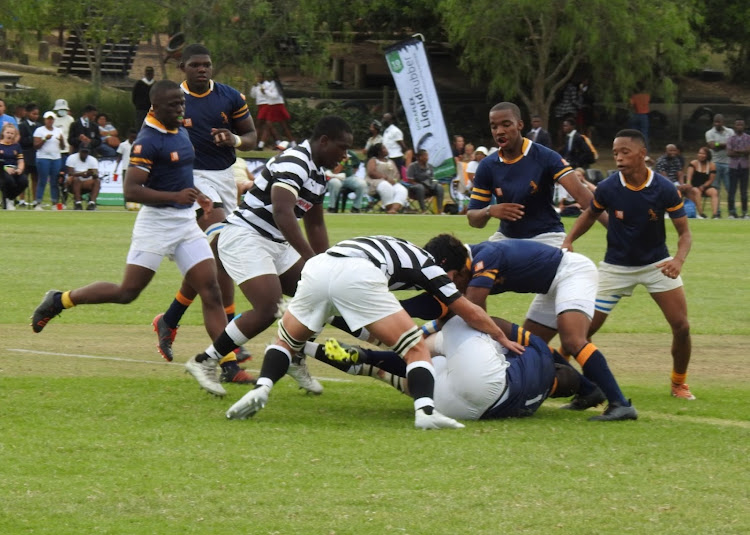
x=478, y=295
x=672, y=268
x=482, y=191
x=284, y=199
x=477, y=318
x=581, y=225
x=135, y=190
x=245, y=138
x=580, y=193
x=315, y=228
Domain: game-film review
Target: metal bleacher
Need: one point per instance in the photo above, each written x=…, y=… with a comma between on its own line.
x=117, y=58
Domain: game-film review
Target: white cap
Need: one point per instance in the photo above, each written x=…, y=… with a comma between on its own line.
x=483, y=150
x=61, y=104
x=49, y=114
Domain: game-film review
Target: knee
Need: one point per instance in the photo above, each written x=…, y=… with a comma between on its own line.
x=681, y=328
x=128, y=295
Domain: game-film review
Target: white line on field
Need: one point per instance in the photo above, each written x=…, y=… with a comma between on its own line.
x=138, y=361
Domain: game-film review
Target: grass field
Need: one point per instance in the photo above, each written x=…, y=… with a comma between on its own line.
x=99, y=435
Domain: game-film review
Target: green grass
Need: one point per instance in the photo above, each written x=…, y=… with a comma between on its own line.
x=89, y=445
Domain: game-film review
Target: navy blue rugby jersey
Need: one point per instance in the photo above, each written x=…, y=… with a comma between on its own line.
x=636, y=235
x=528, y=180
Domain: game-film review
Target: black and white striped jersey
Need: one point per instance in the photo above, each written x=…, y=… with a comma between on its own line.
x=294, y=170
x=406, y=265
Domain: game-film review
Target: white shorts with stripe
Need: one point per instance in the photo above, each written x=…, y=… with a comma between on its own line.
x=245, y=254
x=170, y=232
x=555, y=239
x=471, y=376
x=573, y=288
x=353, y=288
x=616, y=282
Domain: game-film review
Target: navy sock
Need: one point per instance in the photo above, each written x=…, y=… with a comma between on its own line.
x=424, y=306
x=174, y=313
x=586, y=386
x=388, y=361
x=595, y=367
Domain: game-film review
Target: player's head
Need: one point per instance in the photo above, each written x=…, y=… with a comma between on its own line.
x=567, y=382
x=168, y=103
x=449, y=252
x=506, y=126
x=629, y=149
x=197, y=66
x=331, y=138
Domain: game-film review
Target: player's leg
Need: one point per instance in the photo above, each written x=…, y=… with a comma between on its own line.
x=94, y=186
x=673, y=305
x=136, y=278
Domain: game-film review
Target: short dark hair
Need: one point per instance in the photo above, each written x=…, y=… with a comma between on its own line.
x=31, y=106
x=102, y=114
x=632, y=133
x=161, y=87
x=374, y=150
x=331, y=126
x=195, y=49
x=448, y=251
x=420, y=152
x=515, y=110
x=89, y=108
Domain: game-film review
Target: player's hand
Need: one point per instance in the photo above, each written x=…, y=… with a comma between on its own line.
x=671, y=268
x=187, y=196
x=222, y=136
x=515, y=347
x=205, y=203
x=567, y=245
x=509, y=211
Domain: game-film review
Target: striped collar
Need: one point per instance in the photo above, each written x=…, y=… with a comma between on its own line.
x=187, y=91
x=154, y=123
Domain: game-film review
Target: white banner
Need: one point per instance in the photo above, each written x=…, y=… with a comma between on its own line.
x=408, y=63
x=110, y=192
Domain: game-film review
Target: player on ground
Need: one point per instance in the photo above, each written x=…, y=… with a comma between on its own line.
x=219, y=123
x=475, y=377
x=262, y=246
x=160, y=177
x=566, y=286
x=354, y=278
x=636, y=200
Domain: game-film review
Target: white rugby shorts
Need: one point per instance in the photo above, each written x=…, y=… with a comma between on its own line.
x=472, y=376
x=353, y=288
x=245, y=254
x=219, y=186
x=616, y=282
x=170, y=232
x=573, y=288
x=555, y=239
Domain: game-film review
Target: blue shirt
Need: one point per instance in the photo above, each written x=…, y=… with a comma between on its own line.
x=5, y=118
x=219, y=107
x=520, y=266
x=166, y=155
x=528, y=180
x=636, y=234
x=10, y=154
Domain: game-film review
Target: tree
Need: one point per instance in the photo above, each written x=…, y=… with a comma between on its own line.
x=722, y=31
x=95, y=23
x=529, y=50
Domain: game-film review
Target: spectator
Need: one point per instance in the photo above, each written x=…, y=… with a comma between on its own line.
x=393, y=141
x=12, y=172
x=701, y=175
x=27, y=128
x=83, y=176
x=140, y=97
x=422, y=175
x=671, y=165
x=471, y=167
x=108, y=133
x=567, y=106
x=717, y=139
x=276, y=111
x=85, y=130
x=375, y=137
x=640, y=104
x=4, y=117
x=49, y=143
x=566, y=204
x=538, y=134
x=121, y=163
x=576, y=149
x=19, y=114
x=585, y=103
x=63, y=121
x=459, y=147
x=345, y=175
x=384, y=180
x=738, y=148
x=264, y=128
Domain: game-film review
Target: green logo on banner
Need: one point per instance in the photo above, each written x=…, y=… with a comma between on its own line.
x=394, y=61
